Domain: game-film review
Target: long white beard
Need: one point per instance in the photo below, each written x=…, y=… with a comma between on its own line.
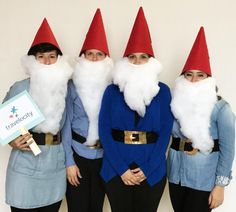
x=139, y=83
x=48, y=87
x=91, y=79
x=192, y=105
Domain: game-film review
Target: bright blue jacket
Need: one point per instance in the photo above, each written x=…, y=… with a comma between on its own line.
x=115, y=114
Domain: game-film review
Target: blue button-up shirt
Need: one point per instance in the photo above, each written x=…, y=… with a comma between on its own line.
x=35, y=181
x=204, y=171
x=76, y=120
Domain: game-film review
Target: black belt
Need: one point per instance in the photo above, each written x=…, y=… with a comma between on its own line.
x=46, y=138
x=184, y=145
x=79, y=138
x=134, y=137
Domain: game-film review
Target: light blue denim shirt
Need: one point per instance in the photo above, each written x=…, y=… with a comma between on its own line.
x=35, y=181
x=76, y=120
x=204, y=171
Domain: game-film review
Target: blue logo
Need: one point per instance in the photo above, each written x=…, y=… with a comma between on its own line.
x=13, y=112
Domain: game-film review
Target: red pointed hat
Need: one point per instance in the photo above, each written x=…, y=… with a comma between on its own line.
x=96, y=36
x=140, y=39
x=198, y=58
x=45, y=35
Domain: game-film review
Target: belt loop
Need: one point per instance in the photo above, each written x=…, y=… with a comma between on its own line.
x=181, y=145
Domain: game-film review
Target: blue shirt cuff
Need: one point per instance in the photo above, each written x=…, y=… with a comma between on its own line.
x=70, y=162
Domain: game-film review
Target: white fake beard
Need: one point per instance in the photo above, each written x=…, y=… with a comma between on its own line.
x=192, y=105
x=91, y=79
x=48, y=88
x=139, y=83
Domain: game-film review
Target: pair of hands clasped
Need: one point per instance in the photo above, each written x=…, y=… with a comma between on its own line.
x=130, y=177
x=133, y=177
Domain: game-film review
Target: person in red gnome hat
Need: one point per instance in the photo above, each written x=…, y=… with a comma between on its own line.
x=135, y=124
x=202, y=150
x=92, y=74
x=38, y=183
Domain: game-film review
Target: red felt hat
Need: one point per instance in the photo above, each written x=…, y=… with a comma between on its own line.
x=96, y=36
x=198, y=58
x=45, y=35
x=140, y=39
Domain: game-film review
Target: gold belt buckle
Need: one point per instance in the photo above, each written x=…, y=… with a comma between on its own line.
x=192, y=152
x=49, y=139
x=130, y=137
x=95, y=146
x=182, y=144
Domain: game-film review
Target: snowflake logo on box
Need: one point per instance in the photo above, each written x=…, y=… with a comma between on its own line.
x=14, y=113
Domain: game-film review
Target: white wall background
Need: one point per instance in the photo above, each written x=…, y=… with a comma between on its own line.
x=173, y=25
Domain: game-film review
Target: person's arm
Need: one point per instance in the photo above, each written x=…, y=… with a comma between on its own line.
x=66, y=133
x=226, y=133
x=216, y=196
x=72, y=171
x=16, y=88
x=19, y=142
x=166, y=121
x=105, y=129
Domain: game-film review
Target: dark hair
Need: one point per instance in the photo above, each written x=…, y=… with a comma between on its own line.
x=42, y=48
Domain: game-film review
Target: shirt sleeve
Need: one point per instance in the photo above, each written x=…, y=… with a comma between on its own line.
x=15, y=89
x=226, y=133
x=166, y=120
x=105, y=129
x=66, y=130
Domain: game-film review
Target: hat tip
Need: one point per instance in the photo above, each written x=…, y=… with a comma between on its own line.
x=141, y=9
x=98, y=13
x=202, y=28
x=45, y=21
